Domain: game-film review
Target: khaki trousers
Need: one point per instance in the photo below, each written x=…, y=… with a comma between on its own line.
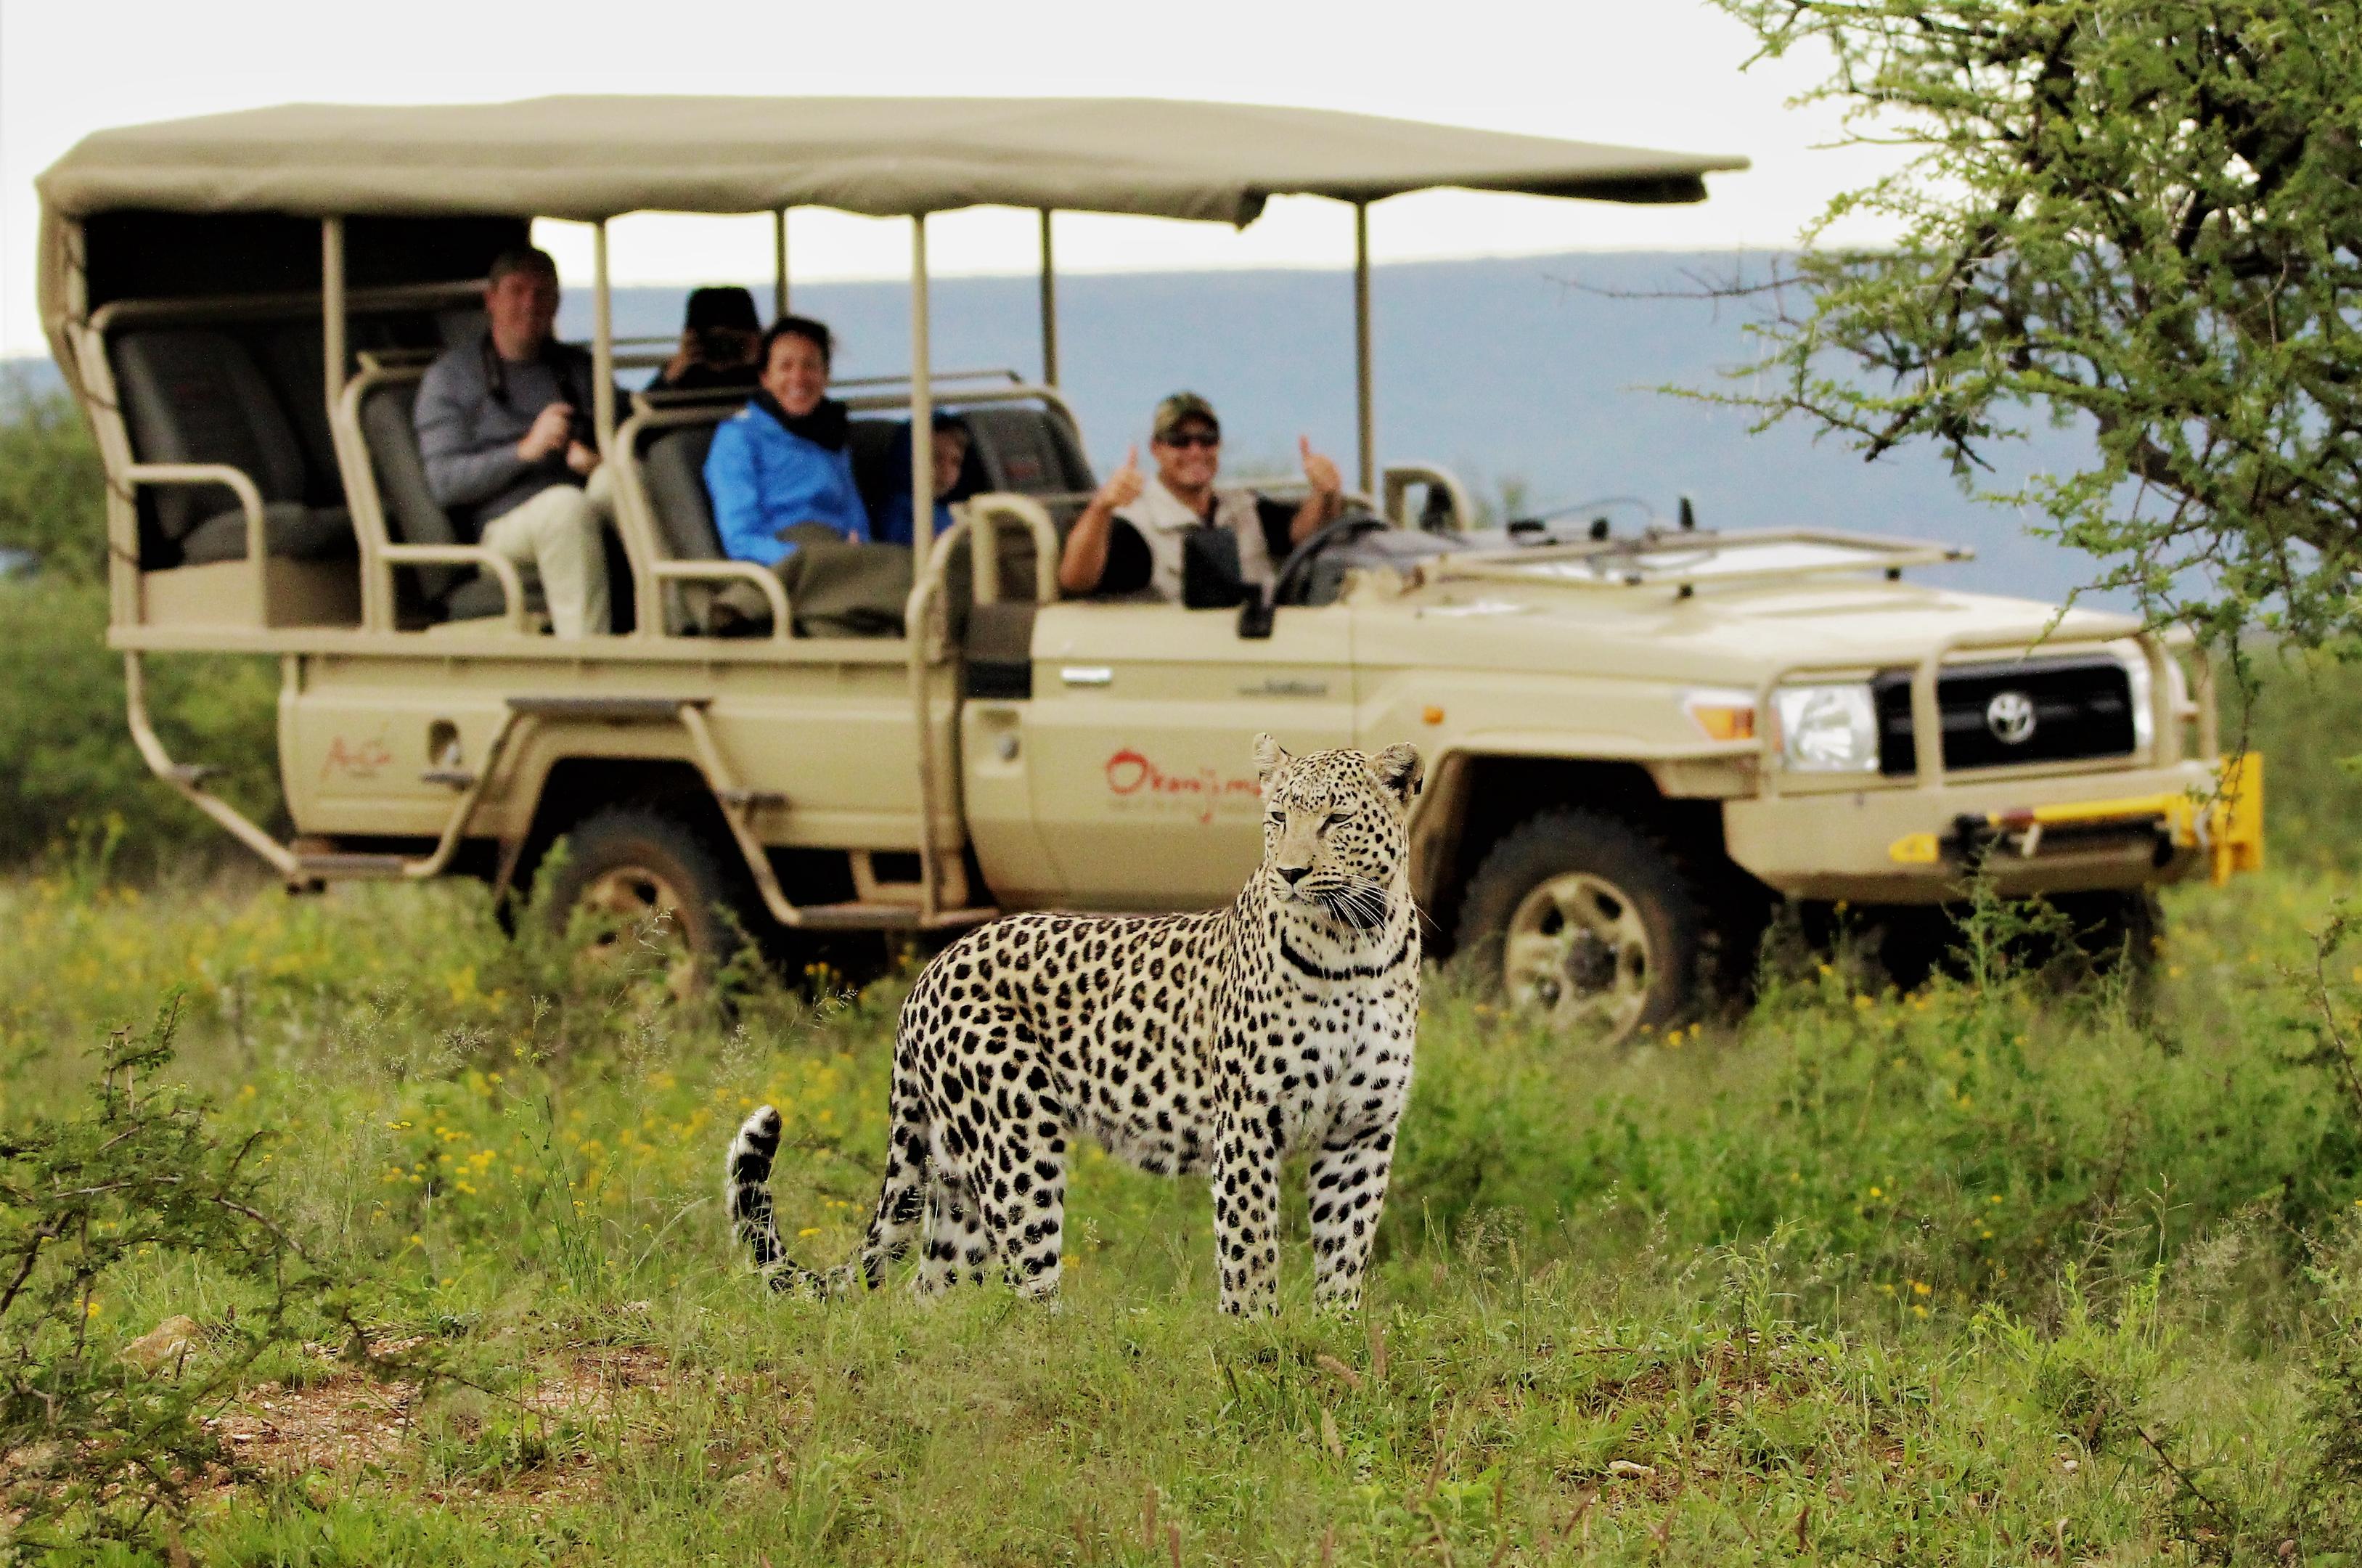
x=562, y=534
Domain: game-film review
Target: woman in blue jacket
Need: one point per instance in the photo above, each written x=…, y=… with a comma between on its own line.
x=782, y=460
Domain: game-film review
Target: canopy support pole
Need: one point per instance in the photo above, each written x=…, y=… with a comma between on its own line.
x=922, y=409
x=1049, y=307
x=332, y=305
x=602, y=343
x=779, y=262
x=333, y=360
x=922, y=552
x=1366, y=420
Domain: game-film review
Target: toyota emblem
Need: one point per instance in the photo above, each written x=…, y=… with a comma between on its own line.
x=2010, y=717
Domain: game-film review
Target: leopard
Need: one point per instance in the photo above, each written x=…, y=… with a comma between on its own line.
x=1216, y=1045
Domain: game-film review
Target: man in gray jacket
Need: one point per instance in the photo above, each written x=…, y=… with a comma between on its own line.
x=503, y=426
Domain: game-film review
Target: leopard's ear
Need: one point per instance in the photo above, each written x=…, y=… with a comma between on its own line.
x=1399, y=769
x=1269, y=757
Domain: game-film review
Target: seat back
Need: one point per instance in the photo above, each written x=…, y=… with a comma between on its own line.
x=1028, y=450
x=673, y=468
x=193, y=394
x=871, y=445
x=413, y=515
x=287, y=353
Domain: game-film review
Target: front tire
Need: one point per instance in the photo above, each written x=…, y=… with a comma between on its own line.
x=656, y=891
x=1592, y=923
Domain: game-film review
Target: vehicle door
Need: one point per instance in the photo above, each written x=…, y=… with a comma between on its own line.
x=1139, y=737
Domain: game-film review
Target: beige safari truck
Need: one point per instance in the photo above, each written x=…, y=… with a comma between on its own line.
x=1635, y=743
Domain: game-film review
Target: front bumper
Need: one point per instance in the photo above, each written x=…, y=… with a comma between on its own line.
x=2068, y=834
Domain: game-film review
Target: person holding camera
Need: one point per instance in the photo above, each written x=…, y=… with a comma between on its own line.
x=719, y=336
x=503, y=428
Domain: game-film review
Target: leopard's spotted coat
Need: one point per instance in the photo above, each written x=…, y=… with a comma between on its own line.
x=1214, y=1043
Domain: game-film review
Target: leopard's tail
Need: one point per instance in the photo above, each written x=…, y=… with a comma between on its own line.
x=747, y=1195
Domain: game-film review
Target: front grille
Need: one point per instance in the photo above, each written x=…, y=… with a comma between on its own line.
x=2080, y=707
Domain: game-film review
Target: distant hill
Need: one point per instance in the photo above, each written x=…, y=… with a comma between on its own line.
x=1503, y=368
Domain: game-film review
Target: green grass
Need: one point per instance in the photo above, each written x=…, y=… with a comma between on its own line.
x=1945, y=1277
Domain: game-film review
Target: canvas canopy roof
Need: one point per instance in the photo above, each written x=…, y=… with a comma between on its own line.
x=589, y=158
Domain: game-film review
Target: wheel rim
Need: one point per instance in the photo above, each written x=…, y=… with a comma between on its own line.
x=1577, y=952
x=636, y=922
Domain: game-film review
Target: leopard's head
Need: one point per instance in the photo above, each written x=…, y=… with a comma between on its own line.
x=1334, y=839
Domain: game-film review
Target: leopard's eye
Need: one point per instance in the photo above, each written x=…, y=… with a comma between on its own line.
x=1337, y=817
x=1277, y=819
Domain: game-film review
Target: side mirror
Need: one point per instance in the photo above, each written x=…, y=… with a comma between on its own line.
x=1255, y=617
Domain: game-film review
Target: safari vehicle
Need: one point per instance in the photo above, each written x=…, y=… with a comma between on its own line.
x=1635, y=743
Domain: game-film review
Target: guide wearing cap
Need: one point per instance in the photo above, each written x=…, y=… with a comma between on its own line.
x=1131, y=539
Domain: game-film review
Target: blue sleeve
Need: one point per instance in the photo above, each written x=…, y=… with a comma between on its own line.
x=460, y=470
x=731, y=485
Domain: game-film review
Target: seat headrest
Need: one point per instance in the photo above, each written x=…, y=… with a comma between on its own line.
x=193, y=395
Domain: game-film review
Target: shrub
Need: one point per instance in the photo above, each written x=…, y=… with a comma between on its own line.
x=92, y=1433
x=52, y=488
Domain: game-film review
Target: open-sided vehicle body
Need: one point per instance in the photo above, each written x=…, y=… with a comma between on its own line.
x=1630, y=739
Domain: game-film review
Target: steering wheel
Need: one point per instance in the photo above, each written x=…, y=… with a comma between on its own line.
x=1289, y=579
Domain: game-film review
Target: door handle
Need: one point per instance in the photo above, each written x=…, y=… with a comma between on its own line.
x=1087, y=675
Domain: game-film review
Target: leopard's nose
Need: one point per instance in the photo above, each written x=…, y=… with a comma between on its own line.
x=1295, y=874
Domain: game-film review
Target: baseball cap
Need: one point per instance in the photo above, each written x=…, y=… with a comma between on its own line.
x=1182, y=405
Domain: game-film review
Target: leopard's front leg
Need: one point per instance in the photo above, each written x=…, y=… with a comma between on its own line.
x=1246, y=1212
x=1349, y=1171
x=1348, y=1190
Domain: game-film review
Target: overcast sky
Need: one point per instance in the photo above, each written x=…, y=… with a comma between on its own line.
x=1650, y=72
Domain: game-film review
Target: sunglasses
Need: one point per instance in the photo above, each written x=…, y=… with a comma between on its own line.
x=1209, y=438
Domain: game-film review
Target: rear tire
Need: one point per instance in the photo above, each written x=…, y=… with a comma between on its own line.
x=657, y=889
x=1595, y=923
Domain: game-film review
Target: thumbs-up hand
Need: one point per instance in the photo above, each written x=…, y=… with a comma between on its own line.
x=1318, y=471
x=1123, y=486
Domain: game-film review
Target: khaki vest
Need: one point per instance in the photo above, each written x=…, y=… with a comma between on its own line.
x=1163, y=520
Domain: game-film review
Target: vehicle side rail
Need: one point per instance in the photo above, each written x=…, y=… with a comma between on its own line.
x=901, y=379
x=1395, y=479
x=379, y=553
x=240, y=484
x=635, y=516
x=992, y=513
x=513, y=601
x=1022, y=391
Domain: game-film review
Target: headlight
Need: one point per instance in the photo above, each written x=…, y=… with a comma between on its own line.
x=2135, y=659
x=1828, y=729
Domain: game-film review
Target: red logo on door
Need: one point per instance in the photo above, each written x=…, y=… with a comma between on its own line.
x=1131, y=774
x=355, y=760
